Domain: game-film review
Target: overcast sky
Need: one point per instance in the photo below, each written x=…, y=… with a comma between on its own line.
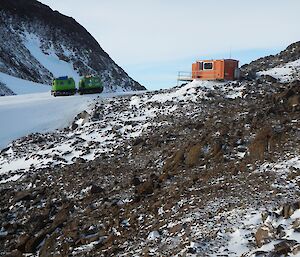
x=154, y=39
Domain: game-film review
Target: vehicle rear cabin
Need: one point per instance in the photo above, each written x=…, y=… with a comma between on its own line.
x=226, y=69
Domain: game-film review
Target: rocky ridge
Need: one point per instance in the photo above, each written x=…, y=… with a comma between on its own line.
x=286, y=59
x=32, y=34
x=199, y=170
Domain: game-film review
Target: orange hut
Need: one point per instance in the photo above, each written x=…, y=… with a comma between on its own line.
x=226, y=69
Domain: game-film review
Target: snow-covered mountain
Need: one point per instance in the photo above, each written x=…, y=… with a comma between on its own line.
x=38, y=44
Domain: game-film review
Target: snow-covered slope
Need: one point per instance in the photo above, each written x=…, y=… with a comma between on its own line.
x=38, y=44
x=22, y=86
x=286, y=72
x=283, y=66
x=48, y=58
x=30, y=112
x=40, y=112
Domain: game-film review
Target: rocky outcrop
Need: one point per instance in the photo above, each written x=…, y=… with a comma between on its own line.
x=291, y=53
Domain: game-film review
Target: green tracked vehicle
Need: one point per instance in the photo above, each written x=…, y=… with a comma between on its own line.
x=63, y=86
x=90, y=85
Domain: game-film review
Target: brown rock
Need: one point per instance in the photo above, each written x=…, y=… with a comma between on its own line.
x=175, y=160
x=96, y=189
x=284, y=247
x=23, y=196
x=21, y=242
x=65, y=248
x=269, y=78
x=33, y=242
x=296, y=223
x=296, y=249
x=177, y=228
x=261, y=144
x=287, y=211
x=49, y=245
x=138, y=141
x=283, y=96
x=71, y=230
x=293, y=102
x=193, y=154
x=216, y=149
x=146, y=188
x=163, y=177
x=263, y=235
x=74, y=126
x=36, y=223
x=61, y=217
x=106, y=242
x=84, y=116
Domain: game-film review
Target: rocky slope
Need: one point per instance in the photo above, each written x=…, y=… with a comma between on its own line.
x=205, y=169
x=38, y=44
x=284, y=65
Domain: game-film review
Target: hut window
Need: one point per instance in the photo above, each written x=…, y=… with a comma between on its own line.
x=208, y=66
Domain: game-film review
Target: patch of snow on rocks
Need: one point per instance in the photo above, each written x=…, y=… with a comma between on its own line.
x=285, y=73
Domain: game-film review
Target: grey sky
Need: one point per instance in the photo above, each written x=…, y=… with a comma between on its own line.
x=144, y=33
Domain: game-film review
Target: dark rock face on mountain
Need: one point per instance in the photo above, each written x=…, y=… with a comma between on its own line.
x=290, y=54
x=27, y=22
x=4, y=90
